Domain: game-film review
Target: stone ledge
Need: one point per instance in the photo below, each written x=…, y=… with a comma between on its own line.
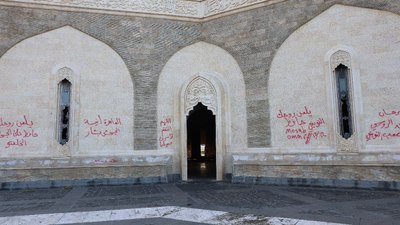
x=361, y=159
x=86, y=162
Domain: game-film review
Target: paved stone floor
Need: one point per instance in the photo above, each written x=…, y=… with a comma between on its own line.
x=198, y=202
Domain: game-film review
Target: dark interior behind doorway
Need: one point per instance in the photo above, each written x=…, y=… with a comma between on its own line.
x=201, y=143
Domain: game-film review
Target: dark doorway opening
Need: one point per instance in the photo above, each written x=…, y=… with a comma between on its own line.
x=201, y=143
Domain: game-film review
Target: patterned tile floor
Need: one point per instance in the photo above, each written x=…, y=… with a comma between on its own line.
x=201, y=202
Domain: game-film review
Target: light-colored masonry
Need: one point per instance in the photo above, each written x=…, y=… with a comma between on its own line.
x=195, y=9
x=307, y=144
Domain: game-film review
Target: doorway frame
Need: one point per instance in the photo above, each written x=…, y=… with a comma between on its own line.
x=221, y=116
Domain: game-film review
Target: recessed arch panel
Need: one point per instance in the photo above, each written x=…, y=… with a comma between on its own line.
x=204, y=73
x=101, y=87
x=300, y=81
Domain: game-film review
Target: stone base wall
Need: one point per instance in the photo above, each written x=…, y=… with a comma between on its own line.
x=41, y=173
x=84, y=176
x=339, y=172
x=376, y=177
x=317, y=182
x=329, y=169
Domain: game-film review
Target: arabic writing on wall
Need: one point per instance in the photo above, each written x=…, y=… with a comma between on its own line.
x=387, y=127
x=302, y=126
x=166, y=135
x=15, y=133
x=105, y=161
x=103, y=127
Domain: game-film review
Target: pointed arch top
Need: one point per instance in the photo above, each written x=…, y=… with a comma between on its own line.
x=209, y=74
x=65, y=73
x=200, y=90
x=89, y=65
x=340, y=58
x=71, y=45
x=339, y=35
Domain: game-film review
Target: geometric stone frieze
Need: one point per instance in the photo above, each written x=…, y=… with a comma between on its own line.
x=185, y=8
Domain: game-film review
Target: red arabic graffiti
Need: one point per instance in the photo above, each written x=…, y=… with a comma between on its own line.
x=103, y=127
x=383, y=113
x=301, y=126
x=387, y=127
x=166, y=135
x=105, y=161
x=16, y=132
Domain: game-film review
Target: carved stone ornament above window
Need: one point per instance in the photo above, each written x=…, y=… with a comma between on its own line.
x=340, y=57
x=200, y=90
x=65, y=73
x=185, y=8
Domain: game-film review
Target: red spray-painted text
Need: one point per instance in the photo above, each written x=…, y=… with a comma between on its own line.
x=103, y=127
x=166, y=133
x=387, y=127
x=15, y=133
x=302, y=126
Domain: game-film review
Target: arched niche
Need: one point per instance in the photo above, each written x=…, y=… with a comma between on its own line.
x=214, y=69
x=100, y=86
x=301, y=73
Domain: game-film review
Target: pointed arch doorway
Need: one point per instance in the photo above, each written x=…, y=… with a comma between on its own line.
x=201, y=148
x=202, y=129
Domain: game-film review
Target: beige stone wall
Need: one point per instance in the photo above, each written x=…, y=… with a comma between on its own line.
x=301, y=81
x=302, y=98
x=300, y=91
x=102, y=92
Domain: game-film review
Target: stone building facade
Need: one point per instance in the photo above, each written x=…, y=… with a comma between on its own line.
x=299, y=92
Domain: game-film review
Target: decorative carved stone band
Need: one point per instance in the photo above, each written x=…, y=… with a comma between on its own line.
x=213, y=7
x=340, y=57
x=200, y=90
x=169, y=7
x=183, y=8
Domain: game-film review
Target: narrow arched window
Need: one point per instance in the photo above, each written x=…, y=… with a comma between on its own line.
x=344, y=101
x=64, y=104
